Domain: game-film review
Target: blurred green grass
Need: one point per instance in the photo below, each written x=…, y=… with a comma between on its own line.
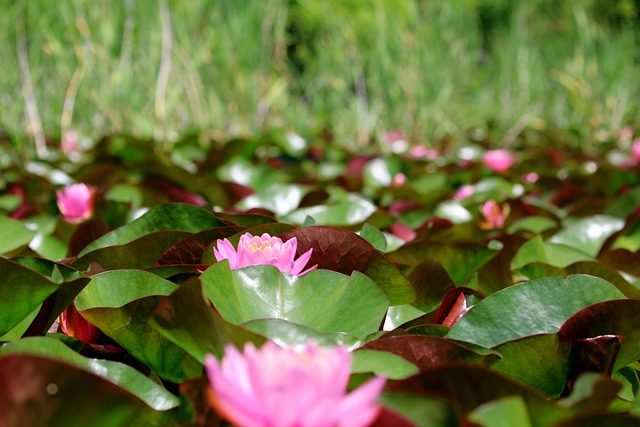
x=506, y=72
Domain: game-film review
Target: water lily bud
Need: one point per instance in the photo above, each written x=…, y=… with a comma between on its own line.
x=76, y=202
x=498, y=160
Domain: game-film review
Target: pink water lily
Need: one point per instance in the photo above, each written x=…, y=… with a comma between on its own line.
x=276, y=387
x=498, y=160
x=76, y=202
x=264, y=249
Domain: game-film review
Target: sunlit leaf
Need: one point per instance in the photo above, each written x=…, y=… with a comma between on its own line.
x=168, y=217
x=587, y=234
x=324, y=300
x=530, y=308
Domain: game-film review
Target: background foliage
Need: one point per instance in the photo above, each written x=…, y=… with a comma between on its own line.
x=509, y=71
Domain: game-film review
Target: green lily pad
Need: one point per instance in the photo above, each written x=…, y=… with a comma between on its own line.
x=382, y=363
x=167, y=217
x=119, y=303
x=23, y=290
x=288, y=334
x=530, y=308
x=321, y=299
x=541, y=361
x=587, y=234
x=461, y=260
x=14, y=235
x=186, y=318
x=279, y=198
x=554, y=254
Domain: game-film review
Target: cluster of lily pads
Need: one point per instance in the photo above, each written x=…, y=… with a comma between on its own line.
x=280, y=282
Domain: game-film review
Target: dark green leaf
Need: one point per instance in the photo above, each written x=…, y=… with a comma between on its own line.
x=530, y=308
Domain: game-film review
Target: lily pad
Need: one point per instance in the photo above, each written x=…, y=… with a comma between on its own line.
x=530, y=308
x=167, y=217
x=154, y=395
x=321, y=299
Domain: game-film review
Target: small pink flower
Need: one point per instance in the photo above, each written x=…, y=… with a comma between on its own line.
x=275, y=387
x=498, y=160
x=464, y=192
x=494, y=215
x=76, y=202
x=264, y=249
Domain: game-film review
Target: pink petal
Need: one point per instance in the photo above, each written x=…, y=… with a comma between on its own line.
x=359, y=408
x=301, y=262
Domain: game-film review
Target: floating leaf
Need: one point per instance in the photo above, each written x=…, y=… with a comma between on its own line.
x=554, y=254
x=14, y=235
x=117, y=373
x=504, y=412
x=119, y=303
x=427, y=352
x=469, y=387
x=461, y=260
x=541, y=361
x=40, y=391
x=289, y=334
x=374, y=236
x=587, y=234
x=139, y=253
x=530, y=308
x=324, y=300
x=342, y=209
x=618, y=317
x=344, y=251
x=23, y=290
x=168, y=217
x=382, y=363
x=187, y=319
x=278, y=197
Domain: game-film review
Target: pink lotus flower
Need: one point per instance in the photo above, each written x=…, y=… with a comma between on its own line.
x=76, y=202
x=275, y=387
x=498, y=160
x=494, y=215
x=264, y=249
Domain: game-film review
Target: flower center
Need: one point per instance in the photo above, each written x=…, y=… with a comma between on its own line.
x=263, y=245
